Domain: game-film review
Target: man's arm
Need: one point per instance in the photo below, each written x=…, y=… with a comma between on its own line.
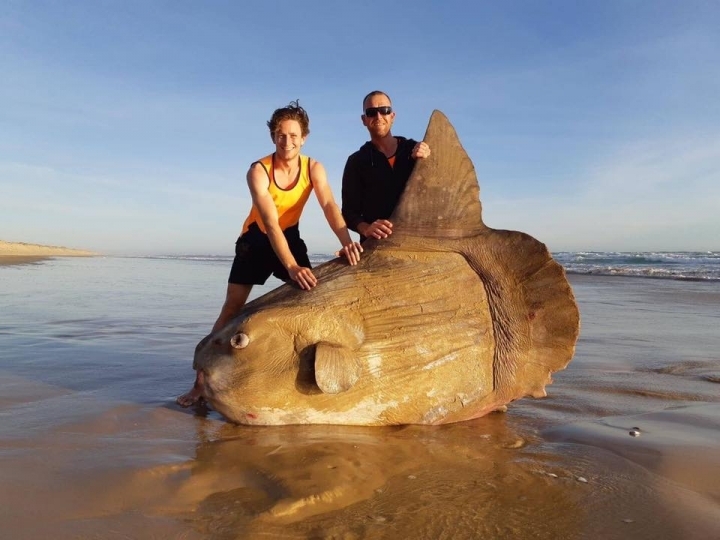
x=351, y=195
x=352, y=205
x=258, y=183
x=334, y=217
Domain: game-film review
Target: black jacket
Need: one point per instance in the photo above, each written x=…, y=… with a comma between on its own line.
x=370, y=187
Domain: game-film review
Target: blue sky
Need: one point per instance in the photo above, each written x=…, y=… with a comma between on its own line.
x=127, y=127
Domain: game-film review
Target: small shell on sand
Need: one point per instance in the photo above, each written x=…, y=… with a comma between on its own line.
x=517, y=443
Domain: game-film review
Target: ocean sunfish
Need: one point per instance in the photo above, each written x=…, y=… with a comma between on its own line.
x=445, y=320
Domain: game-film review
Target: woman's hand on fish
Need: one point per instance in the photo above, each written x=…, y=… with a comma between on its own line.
x=351, y=252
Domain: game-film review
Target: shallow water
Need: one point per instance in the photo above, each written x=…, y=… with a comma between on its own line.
x=94, y=351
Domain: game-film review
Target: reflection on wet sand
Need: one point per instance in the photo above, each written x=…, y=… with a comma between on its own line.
x=325, y=482
x=494, y=477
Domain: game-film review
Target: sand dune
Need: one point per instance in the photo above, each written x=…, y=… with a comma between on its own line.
x=18, y=252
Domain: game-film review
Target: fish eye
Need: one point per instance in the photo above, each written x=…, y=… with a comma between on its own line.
x=239, y=341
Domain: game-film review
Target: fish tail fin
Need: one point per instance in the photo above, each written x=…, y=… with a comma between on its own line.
x=535, y=317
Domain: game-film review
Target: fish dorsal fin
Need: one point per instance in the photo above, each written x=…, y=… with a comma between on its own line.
x=442, y=196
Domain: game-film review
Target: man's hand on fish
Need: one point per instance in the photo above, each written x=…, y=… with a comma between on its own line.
x=303, y=276
x=380, y=228
x=421, y=150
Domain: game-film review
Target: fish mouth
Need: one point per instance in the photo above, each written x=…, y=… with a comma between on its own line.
x=206, y=390
x=210, y=385
x=215, y=383
x=212, y=368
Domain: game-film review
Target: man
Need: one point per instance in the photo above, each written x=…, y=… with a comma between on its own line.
x=270, y=243
x=375, y=176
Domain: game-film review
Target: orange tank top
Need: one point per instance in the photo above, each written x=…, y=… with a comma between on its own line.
x=289, y=201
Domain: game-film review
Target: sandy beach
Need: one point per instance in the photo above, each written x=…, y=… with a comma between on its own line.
x=23, y=253
x=95, y=350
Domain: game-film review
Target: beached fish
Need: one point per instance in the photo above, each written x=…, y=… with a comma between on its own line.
x=445, y=320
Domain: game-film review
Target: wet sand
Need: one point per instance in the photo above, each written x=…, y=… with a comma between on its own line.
x=6, y=260
x=77, y=461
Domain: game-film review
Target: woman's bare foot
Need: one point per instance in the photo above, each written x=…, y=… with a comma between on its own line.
x=190, y=398
x=195, y=395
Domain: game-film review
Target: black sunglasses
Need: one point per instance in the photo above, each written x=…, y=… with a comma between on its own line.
x=372, y=112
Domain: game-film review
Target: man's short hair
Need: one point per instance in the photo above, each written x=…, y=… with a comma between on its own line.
x=375, y=93
x=292, y=112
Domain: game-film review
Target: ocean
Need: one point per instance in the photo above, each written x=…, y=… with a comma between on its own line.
x=93, y=352
x=688, y=265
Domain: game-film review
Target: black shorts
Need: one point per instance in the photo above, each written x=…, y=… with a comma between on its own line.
x=255, y=258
